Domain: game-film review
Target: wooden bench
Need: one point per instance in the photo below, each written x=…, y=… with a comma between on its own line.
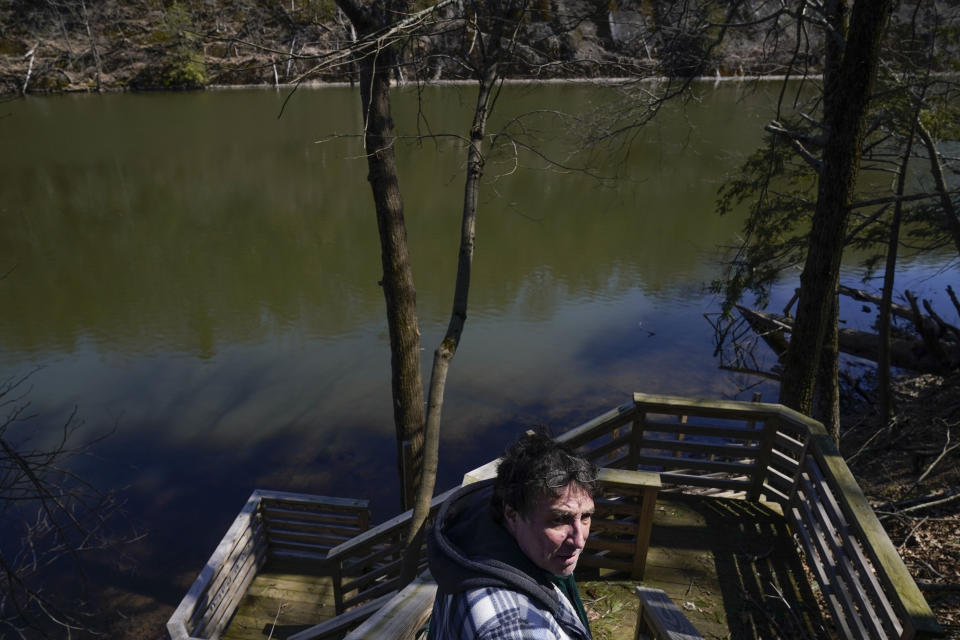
x=403, y=616
x=334, y=627
x=659, y=618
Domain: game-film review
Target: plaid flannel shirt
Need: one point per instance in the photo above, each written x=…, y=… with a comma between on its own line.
x=493, y=613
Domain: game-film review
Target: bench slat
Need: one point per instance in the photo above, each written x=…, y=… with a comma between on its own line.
x=663, y=617
x=336, y=626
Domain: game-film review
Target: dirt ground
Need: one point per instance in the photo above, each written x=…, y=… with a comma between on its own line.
x=910, y=472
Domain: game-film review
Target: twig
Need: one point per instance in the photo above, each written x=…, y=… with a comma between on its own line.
x=914, y=503
x=797, y=625
x=926, y=333
x=903, y=544
x=793, y=299
x=770, y=375
x=928, y=566
x=275, y=619
x=953, y=496
x=594, y=601
x=946, y=449
x=762, y=610
x=867, y=443
x=9, y=271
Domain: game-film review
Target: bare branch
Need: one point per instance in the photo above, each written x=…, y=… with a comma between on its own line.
x=56, y=514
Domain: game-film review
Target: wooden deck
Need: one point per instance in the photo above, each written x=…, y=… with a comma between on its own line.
x=281, y=601
x=731, y=564
x=725, y=562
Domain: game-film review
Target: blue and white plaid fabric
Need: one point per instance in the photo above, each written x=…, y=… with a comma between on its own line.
x=501, y=614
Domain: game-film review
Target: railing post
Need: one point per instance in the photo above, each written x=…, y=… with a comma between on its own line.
x=644, y=527
x=338, y=586
x=407, y=475
x=363, y=520
x=801, y=463
x=681, y=436
x=636, y=437
x=767, y=438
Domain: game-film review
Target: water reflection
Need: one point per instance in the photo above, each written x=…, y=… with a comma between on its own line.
x=201, y=275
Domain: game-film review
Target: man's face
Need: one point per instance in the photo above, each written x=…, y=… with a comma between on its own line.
x=555, y=531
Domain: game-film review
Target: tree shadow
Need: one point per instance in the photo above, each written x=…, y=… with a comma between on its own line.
x=764, y=589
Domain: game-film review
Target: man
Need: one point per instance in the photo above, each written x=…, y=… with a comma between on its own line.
x=503, y=551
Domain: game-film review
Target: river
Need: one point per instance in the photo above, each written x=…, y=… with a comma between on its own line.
x=196, y=275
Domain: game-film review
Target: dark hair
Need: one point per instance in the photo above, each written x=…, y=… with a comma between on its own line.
x=537, y=466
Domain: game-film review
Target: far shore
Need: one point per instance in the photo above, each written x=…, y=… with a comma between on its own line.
x=318, y=84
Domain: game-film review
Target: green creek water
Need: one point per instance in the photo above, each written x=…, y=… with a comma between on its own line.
x=199, y=276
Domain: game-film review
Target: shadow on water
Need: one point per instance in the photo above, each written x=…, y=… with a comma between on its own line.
x=183, y=497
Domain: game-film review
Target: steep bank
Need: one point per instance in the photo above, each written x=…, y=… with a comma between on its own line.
x=73, y=45
x=910, y=472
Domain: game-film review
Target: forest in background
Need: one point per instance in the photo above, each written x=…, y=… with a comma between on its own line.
x=50, y=46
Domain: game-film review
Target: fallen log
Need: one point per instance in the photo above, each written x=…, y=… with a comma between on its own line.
x=930, y=586
x=923, y=502
x=904, y=353
x=931, y=322
x=899, y=310
x=773, y=329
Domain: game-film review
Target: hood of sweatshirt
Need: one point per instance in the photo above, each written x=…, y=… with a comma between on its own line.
x=467, y=549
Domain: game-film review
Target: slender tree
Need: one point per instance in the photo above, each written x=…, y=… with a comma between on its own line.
x=373, y=21
x=852, y=56
x=490, y=28
x=497, y=22
x=806, y=205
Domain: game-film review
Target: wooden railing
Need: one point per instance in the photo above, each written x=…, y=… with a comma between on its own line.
x=620, y=531
x=271, y=525
x=769, y=452
x=733, y=449
x=368, y=566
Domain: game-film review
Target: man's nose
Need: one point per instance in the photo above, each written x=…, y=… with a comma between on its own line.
x=578, y=534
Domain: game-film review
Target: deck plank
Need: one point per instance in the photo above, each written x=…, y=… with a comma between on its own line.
x=301, y=600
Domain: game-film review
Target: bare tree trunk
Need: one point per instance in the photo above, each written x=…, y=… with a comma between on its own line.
x=884, y=322
x=444, y=354
x=398, y=287
x=93, y=46
x=889, y=274
x=504, y=16
x=826, y=397
x=936, y=170
x=32, y=54
x=850, y=82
